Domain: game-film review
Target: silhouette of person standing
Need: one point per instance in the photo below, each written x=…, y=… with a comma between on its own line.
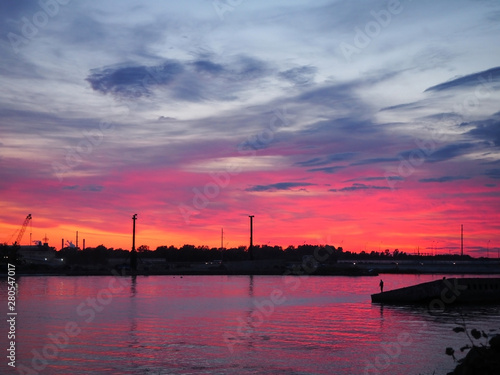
x=381, y=286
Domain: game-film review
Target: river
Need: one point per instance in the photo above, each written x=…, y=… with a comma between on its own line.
x=230, y=325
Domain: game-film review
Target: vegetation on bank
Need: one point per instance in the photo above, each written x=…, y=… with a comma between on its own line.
x=189, y=253
x=483, y=356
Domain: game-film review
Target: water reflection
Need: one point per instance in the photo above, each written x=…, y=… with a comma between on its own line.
x=246, y=329
x=381, y=316
x=133, y=286
x=250, y=286
x=166, y=325
x=132, y=314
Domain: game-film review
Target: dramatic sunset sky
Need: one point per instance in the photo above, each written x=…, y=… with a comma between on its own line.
x=365, y=124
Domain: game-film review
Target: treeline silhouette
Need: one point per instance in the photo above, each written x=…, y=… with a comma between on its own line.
x=191, y=253
x=100, y=255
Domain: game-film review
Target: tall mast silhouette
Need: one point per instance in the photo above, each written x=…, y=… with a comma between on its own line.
x=133, y=255
x=250, y=250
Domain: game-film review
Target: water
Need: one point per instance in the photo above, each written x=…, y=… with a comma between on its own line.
x=230, y=325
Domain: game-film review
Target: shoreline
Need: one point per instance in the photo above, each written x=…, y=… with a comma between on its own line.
x=268, y=267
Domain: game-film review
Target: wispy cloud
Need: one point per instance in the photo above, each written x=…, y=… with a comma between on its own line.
x=441, y=154
x=329, y=170
x=444, y=179
x=278, y=186
x=487, y=76
x=487, y=130
x=493, y=173
x=318, y=161
x=358, y=186
x=388, y=178
x=134, y=81
x=375, y=161
x=300, y=76
x=189, y=80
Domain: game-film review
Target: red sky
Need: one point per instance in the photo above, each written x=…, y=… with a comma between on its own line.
x=365, y=217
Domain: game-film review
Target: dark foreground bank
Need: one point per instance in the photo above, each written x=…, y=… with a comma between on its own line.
x=480, y=360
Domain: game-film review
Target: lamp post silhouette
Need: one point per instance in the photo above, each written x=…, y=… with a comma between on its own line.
x=462, y=240
x=250, y=250
x=133, y=255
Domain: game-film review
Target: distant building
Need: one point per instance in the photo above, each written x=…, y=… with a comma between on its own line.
x=38, y=254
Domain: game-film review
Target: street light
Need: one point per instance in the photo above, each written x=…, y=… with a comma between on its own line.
x=133, y=255
x=250, y=250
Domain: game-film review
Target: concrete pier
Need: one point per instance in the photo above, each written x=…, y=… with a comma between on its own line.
x=449, y=291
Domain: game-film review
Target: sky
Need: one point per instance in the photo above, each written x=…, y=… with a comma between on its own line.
x=369, y=125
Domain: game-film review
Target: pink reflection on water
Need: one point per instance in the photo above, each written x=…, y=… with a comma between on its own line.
x=174, y=325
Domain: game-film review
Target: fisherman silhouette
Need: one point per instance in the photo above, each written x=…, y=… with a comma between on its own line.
x=381, y=286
